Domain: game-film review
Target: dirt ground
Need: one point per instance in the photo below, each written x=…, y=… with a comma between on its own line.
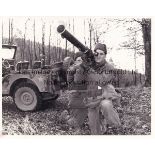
x=134, y=112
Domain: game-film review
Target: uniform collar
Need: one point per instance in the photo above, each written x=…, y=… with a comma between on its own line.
x=98, y=65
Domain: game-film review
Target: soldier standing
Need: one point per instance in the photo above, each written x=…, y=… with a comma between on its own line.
x=77, y=87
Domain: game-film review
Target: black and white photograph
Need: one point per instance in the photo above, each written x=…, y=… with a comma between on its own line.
x=76, y=75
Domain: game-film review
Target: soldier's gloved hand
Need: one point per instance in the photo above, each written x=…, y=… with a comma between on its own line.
x=88, y=57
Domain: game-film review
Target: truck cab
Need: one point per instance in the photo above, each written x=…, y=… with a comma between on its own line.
x=29, y=87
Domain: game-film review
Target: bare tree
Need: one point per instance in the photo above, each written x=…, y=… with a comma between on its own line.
x=24, y=51
x=146, y=28
x=12, y=31
x=135, y=54
x=34, y=41
x=9, y=31
x=30, y=53
x=31, y=50
x=58, y=50
x=73, y=34
x=135, y=45
x=84, y=24
x=97, y=28
x=43, y=44
x=49, y=47
x=90, y=33
x=39, y=50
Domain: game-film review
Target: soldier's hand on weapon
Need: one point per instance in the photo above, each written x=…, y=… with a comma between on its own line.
x=88, y=57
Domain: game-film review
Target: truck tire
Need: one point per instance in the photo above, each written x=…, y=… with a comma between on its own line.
x=27, y=97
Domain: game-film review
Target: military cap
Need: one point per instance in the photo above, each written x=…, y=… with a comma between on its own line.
x=101, y=47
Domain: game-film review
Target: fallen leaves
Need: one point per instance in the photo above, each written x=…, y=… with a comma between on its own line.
x=135, y=115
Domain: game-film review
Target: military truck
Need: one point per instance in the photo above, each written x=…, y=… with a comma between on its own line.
x=30, y=87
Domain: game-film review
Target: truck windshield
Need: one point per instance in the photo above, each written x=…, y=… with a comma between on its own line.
x=7, y=53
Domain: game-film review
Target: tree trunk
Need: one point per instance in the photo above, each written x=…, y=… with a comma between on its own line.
x=90, y=33
x=31, y=51
x=43, y=45
x=73, y=34
x=30, y=55
x=66, y=49
x=9, y=31
x=84, y=33
x=39, y=49
x=12, y=31
x=34, y=42
x=49, y=48
x=146, y=28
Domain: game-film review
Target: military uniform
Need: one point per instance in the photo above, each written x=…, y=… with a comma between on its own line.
x=77, y=86
x=86, y=98
x=102, y=75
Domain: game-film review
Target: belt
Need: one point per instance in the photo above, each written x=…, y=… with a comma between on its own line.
x=81, y=91
x=89, y=93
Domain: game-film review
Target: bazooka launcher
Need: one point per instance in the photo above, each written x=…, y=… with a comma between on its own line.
x=89, y=56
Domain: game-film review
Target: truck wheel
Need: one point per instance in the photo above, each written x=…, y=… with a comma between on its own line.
x=27, y=97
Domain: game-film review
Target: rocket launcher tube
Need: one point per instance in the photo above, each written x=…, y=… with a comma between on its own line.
x=67, y=35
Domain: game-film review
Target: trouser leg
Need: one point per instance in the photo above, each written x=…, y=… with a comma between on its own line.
x=77, y=117
x=77, y=112
x=109, y=113
x=94, y=121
